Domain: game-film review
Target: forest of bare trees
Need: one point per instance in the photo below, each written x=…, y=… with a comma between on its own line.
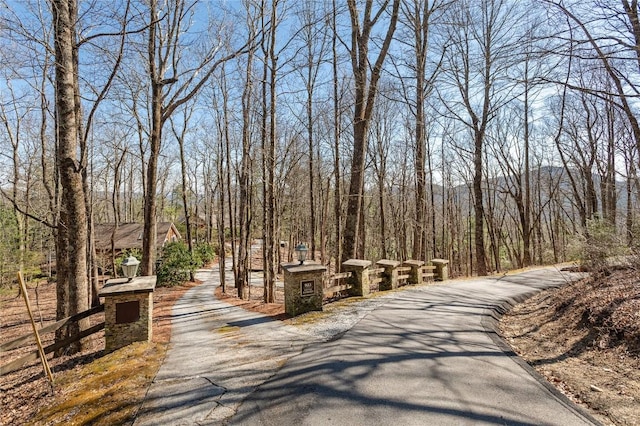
x=488, y=132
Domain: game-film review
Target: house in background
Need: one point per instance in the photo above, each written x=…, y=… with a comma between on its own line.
x=129, y=236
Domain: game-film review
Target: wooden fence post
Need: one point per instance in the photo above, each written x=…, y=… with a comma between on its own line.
x=43, y=356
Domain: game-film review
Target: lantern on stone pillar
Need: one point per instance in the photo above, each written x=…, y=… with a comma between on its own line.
x=301, y=251
x=130, y=267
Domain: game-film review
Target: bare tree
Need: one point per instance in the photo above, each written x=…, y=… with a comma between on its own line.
x=268, y=136
x=315, y=44
x=337, y=175
x=480, y=56
x=180, y=135
x=366, y=79
x=72, y=228
x=12, y=120
x=71, y=156
x=417, y=16
x=175, y=78
x=614, y=49
x=245, y=178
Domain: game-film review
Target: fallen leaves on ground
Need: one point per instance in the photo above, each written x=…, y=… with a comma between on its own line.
x=585, y=339
x=89, y=388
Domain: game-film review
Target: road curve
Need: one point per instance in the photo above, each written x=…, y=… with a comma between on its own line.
x=427, y=357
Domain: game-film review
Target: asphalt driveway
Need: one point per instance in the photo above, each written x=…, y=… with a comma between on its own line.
x=427, y=357
x=424, y=356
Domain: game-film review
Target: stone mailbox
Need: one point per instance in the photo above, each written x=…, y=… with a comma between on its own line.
x=390, y=274
x=303, y=287
x=128, y=311
x=359, y=279
x=415, y=275
x=442, y=270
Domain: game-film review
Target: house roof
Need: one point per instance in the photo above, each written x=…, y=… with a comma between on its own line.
x=129, y=235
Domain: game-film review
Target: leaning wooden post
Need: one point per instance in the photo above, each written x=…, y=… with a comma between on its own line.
x=390, y=274
x=43, y=356
x=359, y=279
x=415, y=275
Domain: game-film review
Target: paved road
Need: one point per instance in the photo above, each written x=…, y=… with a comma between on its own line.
x=427, y=357
x=218, y=355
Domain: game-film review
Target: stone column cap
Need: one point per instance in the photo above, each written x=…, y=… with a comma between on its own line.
x=305, y=267
x=388, y=263
x=440, y=261
x=357, y=262
x=123, y=285
x=413, y=262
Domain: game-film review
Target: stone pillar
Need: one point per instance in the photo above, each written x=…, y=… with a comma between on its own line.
x=390, y=274
x=415, y=275
x=359, y=280
x=128, y=311
x=442, y=270
x=303, y=289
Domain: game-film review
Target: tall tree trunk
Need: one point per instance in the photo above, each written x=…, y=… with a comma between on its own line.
x=352, y=223
x=222, y=163
x=419, y=243
x=149, y=234
x=629, y=216
x=525, y=220
x=244, y=210
x=337, y=197
x=478, y=207
x=434, y=240
x=230, y=195
x=311, y=148
x=72, y=228
x=269, y=243
x=366, y=88
x=381, y=206
x=180, y=136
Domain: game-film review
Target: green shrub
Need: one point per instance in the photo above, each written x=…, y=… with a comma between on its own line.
x=599, y=246
x=175, y=265
x=205, y=253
